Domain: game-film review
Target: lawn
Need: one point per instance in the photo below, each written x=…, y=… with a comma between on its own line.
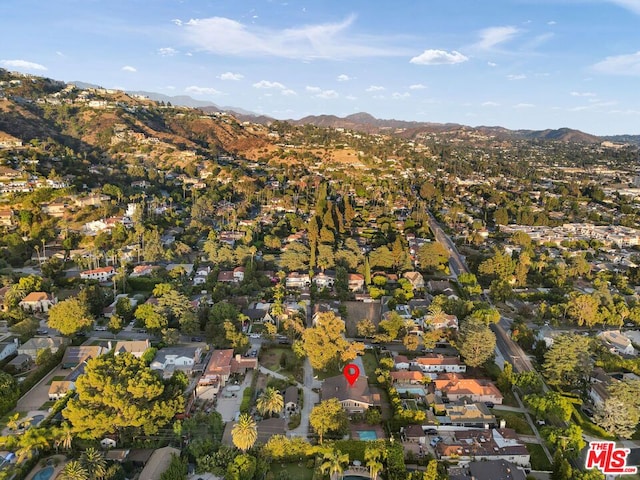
x=299, y=471
x=539, y=460
x=370, y=364
x=282, y=361
x=515, y=420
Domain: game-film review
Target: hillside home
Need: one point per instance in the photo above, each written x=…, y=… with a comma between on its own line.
x=416, y=279
x=6, y=217
x=38, y=302
x=617, y=342
x=297, y=280
x=324, y=280
x=356, y=282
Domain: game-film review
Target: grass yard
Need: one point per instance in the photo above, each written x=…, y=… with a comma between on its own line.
x=282, y=361
x=370, y=364
x=539, y=460
x=332, y=372
x=295, y=470
x=515, y=420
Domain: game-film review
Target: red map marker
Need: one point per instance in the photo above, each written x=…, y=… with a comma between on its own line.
x=351, y=372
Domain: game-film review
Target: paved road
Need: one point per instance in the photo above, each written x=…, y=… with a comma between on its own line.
x=456, y=261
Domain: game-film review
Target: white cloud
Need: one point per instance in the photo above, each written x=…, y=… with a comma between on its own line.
x=633, y=5
x=492, y=64
x=399, y=96
x=224, y=36
x=328, y=94
x=313, y=89
x=351, y=97
x=167, y=52
x=439, y=57
x=343, y=78
x=24, y=64
x=177, y=21
x=129, y=68
x=231, y=76
x=287, y=92
x=628, y=64
x=582, y=94
x=417, y=86
x=375, y=88
x=202, y=90
x=490, y=104
x=519, y=76
x=551, y=22
x=266, y=84
x=60, y=54
x=524, y=105
x=492, y=36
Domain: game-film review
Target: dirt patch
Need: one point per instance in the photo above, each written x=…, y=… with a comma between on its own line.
x=356, y=311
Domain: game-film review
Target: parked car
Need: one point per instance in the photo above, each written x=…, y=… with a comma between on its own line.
x=431, y=431
x=435, y=441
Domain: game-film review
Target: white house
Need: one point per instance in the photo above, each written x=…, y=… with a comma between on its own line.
x=297, y=280
x=8, y=348
x=102, y=274
x=322, y=280
x=238, y=274
x=439, y=364
x=38, y=302
x=176, y=358
x=617, y=342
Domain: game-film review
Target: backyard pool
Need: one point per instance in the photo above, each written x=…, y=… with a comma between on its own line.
x=44, y=474
x=412, y=391
x=367, y=435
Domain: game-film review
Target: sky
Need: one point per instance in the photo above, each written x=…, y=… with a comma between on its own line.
x=520, y=64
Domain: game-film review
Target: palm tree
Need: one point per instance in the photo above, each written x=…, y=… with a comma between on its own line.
x=270, y=402
x=74, y=471
x=33, y=440
x=334, y=462
x=245, y=432
x=94, y=463
x=13, y=423
x=372, y=455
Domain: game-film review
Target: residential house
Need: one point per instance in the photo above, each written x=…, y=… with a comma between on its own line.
x=170, y=359
x=437, y=363
x=59, y=388
x=470, y=389
x=6, y=217
x=324, y=280
x=470, y=415
x=416, y=279
x=291, y=398
x=74, y=356
x=297, y=280
x=440, y=286
x=547, y=334
x=441, y=321
x=107, y=443
x=356, y=282
x=158, y=463
x=102, y=274
x=354, y=398
x=238, y=274
x=598, y=393
x=35, y=345
x=401, y=362
x=464, y=446
x=8, y=347
x=617, y=342
x=221, y=365
x=134, y=347
x=142, y=270
x=38, y=302
x=496, y=470
x=407, y=377
x=226, y=276
x=414, y=434
x=20, y=363
x=270, y=427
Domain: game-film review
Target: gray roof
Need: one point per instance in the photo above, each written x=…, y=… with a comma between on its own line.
x=337, y=387
x=163, y=353
x=496, y=470
x=291, y=394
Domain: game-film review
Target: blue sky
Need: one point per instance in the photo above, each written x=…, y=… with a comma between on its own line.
x=515, y=63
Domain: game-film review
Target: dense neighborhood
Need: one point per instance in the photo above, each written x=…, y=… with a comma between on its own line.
x=181, y=291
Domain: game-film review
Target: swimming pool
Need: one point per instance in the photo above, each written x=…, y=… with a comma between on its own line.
x=44, y=474
x=412, y=391
x=367, y=435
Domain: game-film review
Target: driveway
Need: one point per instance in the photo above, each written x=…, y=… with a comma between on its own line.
x=39, y=395
x=228, y=407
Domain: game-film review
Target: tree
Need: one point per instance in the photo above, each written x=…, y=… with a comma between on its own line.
x=569, y=440
x=151, y=316
x=94, y=463
x=70, y=317
x=469, y=284
x=583, y=309
x=325, y=344
x=9, y=392
x=433, y=256
x=243, y=467
x=74, y=470
x=333, y=462
x=551, y=404
x=328, y=416
x=477, y=342
x=499, y=267
x=122, y=394
x=245, y=432
x=411, y=342
x=374, y=455
x=568, y=360
x=295, y=257
x=270, y=402
x=366, y=328
x=116, y=324
x=30, y=442
x=63, y=436
x=616, y=417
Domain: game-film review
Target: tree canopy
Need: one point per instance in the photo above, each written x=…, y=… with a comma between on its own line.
x=70, y=316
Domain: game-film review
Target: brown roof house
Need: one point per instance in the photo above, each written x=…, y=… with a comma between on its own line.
x=158, y=463
x=354, y=398
x=38, y=302
x=221, y=365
